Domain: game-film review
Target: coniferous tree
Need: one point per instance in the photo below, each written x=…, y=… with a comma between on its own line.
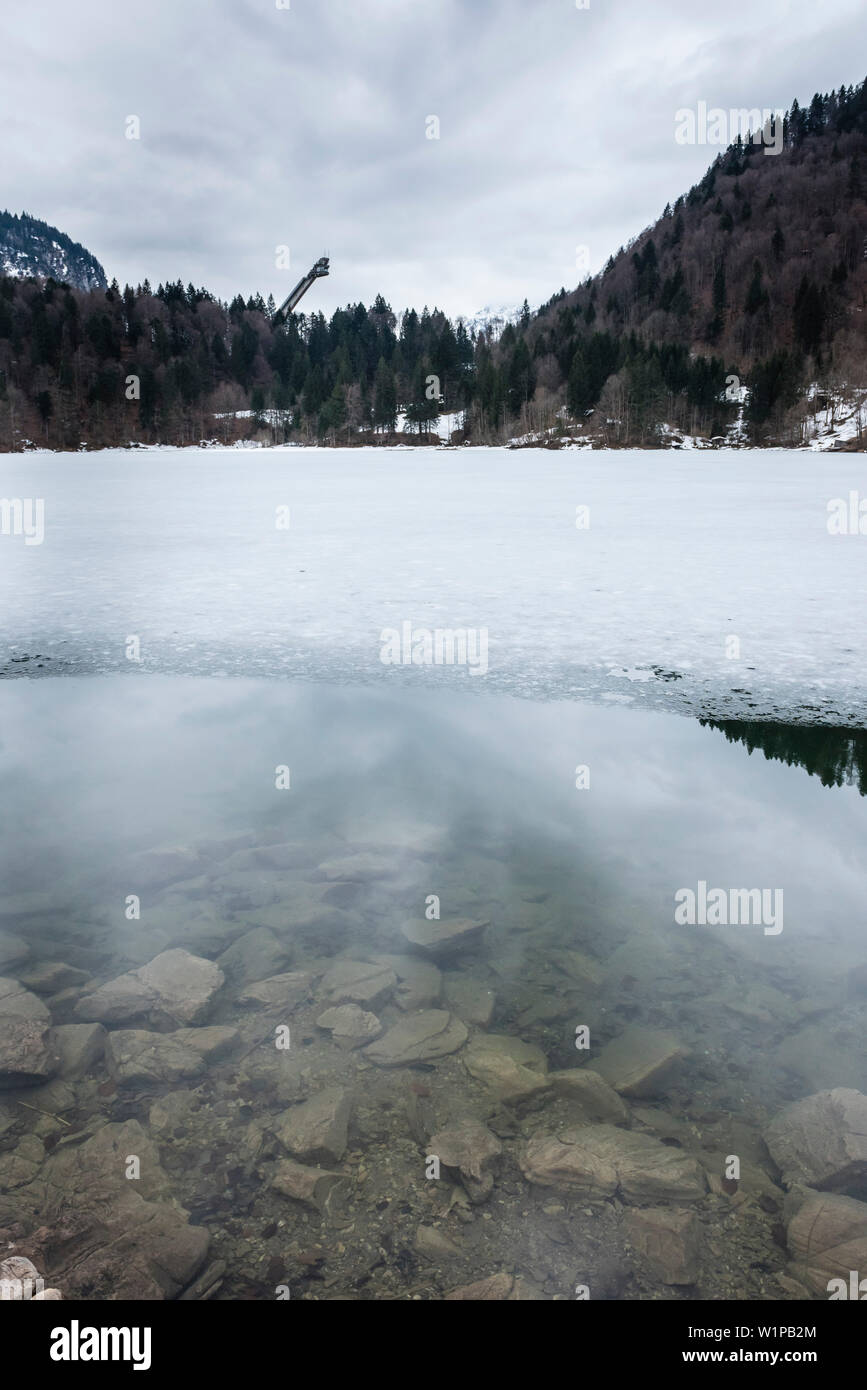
x=757, y=295
x=809, y=316
x=385, y=397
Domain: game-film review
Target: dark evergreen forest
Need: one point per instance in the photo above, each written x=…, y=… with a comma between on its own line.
x=758, y=274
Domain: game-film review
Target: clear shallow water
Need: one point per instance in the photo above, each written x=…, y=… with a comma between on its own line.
x=473, y=800
x=683, y=552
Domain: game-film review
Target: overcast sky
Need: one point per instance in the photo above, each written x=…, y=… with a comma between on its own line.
x=306, y=126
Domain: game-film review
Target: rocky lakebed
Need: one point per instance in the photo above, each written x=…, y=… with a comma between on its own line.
x=289, y=1078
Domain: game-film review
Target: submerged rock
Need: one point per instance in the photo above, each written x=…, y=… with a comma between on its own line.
x=19, y=1166
x=79, y=1046
x=419, y=981
x=175, y=987
x=285, y=991
x=759, y=1003
x=813, y=1056
x=349, y=1025
x=198, y=927
x=272, y=1072
x=590, y=1094
x=421, y=1037
x=136, y=1057
x=210, y=1042
x=312, y=1186
x=20, y=1281
x=822, y=1141
x=580, y=967
x=305, y=917
x=359, y=982
x=827, y=1238
x=28, y=1054
x=112, y=1237
x=316, y=1130
x=470, y=999
x=434, y=1245
x=471, y=1150
x=547, y=1008
x=601, y=1161
x=669, y=1241
x=18, y=1002
x=511, y=1069
x=257, y=955
x=439, y=940
x=179, y=1116
x=47, y=977
x=640, y=1061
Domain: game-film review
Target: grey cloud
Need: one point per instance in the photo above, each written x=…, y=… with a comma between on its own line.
x=305, y=127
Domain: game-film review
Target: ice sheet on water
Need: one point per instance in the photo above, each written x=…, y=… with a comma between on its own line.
x=707, y=582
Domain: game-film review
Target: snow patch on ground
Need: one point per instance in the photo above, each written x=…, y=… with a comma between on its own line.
x=837, y=419
x=444, y=427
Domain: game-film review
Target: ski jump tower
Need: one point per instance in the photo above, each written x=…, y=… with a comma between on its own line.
x=290, y=302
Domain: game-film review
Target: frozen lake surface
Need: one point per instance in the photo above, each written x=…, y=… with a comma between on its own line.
x=707, y=583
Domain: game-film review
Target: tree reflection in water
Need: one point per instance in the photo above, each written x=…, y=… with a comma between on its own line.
x=838, y=757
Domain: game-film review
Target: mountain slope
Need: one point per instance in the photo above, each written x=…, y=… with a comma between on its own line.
x=761, y=266
x=29, y=247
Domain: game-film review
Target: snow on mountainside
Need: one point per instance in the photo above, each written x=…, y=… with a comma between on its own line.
x=30, y=247
x=491, y=320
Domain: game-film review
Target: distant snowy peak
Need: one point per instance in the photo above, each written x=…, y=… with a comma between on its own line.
x=30, y=247
x=490, y=320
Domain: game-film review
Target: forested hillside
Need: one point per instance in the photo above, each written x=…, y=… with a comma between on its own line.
x=760, y=269
x=744, y=302
x=174, y=366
